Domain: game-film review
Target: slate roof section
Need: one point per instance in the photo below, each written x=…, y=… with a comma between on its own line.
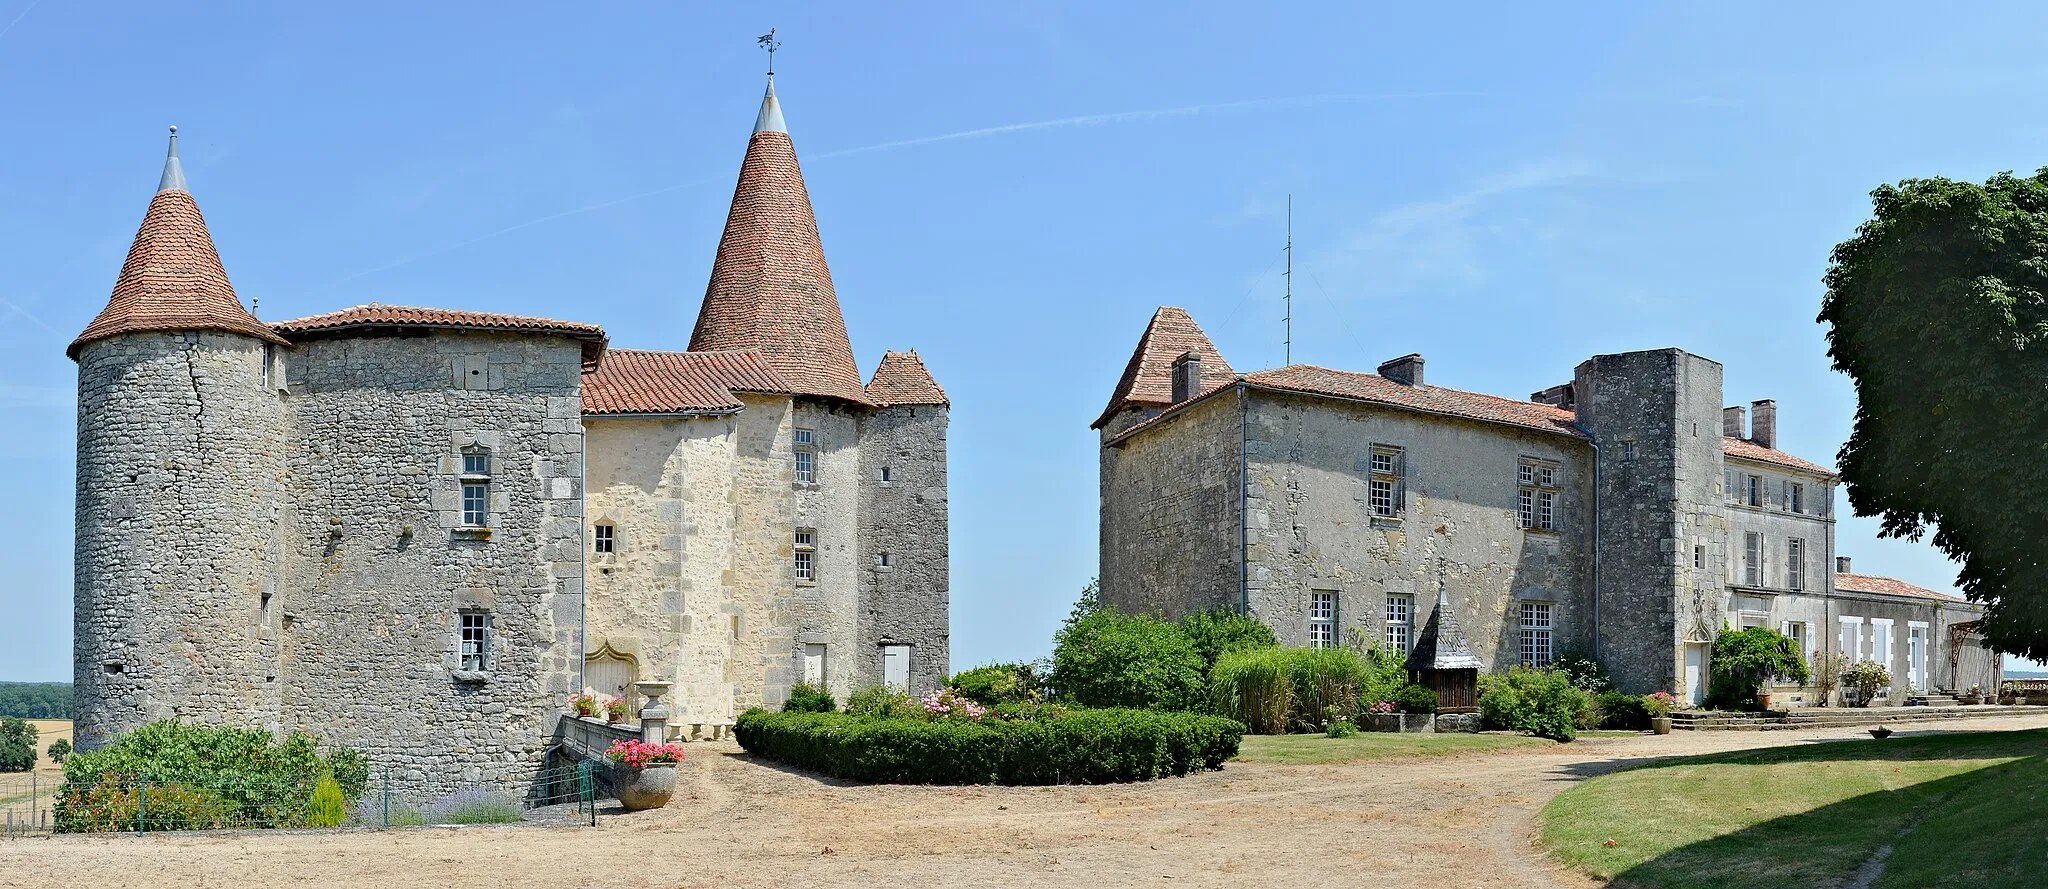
x=635, y=381
x=1442, y=644
x=1148, y=378
x=1889, y=586
x=1748, y=450
x=373, y=316
x=770, y=288
x=901, y=378
x=173, y=279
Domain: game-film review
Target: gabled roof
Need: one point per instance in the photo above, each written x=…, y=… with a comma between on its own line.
x=1376, y=389
x=1745, y=449
x=901, y=378
x=173, y=279
x=1148, y=378
x=633, y=381
x=1442, y=645
x=770, y=288
x=1889, y=586
x=377, y=315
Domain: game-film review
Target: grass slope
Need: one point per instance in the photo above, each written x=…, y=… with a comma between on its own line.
x=1811, y=815
x=1319, y=750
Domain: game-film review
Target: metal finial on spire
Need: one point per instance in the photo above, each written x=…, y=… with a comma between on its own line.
x=174, y=174
x=769, y=43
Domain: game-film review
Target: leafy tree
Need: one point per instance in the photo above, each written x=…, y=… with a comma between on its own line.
x=36, y=700
x=1744, y=659
x=17, y=745
x=1222, y=630
x=1105, y=658
x=59, y=749
x=1936, y=311
x=995, y=684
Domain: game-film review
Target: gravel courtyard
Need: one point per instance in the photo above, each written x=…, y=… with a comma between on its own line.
x=735, y=822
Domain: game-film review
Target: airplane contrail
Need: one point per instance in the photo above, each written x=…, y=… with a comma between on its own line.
x=1084, y=120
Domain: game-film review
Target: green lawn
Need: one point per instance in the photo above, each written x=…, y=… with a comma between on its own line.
x=1319, y=750
x=1811, y=815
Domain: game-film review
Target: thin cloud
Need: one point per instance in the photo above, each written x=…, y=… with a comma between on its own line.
x=17, y=310
x=1086, y=120
x=18, y=18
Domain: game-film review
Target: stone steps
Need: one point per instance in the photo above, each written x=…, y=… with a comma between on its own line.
x=1839, y=717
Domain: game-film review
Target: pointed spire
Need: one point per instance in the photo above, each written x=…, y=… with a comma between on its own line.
x=902, y=379
x=770, y=118
x=770, y=288
x=1148, y=378
x=1442, y=644
x=173, y=279
x=174, y=174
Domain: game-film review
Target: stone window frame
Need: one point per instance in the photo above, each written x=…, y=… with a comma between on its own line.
x=474, y=484
x=1322, y=618
x=887, y=477
x=804, y=452
x=604, y=538
x=1537, y=625
x=883, y=561
x=473, y=632
x=1536, y=495
x=1400, y=622
x=803, y=558
x=1699, y=556
x=1387, y=481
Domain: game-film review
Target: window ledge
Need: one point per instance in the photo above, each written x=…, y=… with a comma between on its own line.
x=1386, y=521
x=470, y=677
x=469, y=533
x=1544, y=532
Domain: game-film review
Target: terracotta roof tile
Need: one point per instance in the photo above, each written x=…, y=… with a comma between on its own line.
x=770, y=288
x=172, y=280
x=1749, y=450
x=1376, y=389
x=632, y=381
x=1148, y=378
x=1890, y=586
x=901, y=378
x=375, y=315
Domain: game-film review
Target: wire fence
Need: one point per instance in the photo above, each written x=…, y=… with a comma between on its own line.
x=564, y=792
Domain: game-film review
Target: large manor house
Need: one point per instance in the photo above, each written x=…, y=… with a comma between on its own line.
x=419, y=531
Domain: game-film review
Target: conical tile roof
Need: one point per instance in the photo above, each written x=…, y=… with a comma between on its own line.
x=173, y=279
x=901, y=378
x=1148, y=378
x=770, y=288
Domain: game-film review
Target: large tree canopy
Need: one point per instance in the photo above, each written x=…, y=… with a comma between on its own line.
x=1936, y=311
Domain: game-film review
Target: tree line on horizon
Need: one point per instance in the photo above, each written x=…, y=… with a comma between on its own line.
x=36, y=700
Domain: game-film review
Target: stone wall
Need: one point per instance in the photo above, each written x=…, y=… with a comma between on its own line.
x=1169, y=512
x=906, y=601
x=1312, y=527
x=827, y=608
x=379, y=568
x=181, y=456
x=762, y=624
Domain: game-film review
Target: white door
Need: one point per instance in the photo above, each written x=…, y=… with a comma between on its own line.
x=896, y=667
x=1695, y=674
x=1916, y=657
x=814, y=663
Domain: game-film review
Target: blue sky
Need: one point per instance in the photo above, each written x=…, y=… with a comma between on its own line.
x=1010, y=189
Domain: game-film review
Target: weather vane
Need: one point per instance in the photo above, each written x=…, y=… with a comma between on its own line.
x=769, y=43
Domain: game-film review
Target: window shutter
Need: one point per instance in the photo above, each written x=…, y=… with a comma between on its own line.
x=1401, y=481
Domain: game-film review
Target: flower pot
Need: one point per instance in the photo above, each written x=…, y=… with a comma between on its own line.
x=1660, y=724
x=648, y=787
x=1763, y=700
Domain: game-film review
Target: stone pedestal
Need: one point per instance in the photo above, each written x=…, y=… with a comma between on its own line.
x=654, y=714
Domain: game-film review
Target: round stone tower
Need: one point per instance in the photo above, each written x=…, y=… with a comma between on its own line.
x=181, y=465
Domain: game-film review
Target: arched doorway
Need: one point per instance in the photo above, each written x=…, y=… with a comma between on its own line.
x=609, y=671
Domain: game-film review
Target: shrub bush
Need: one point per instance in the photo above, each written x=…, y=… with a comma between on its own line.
x=807, y=698
x=1585, y=671
x=1277, y=690
x=329, y=808
x=1866, y=677
x=1222, y=630
x=17, y=745
x=59, y=749
x=1415, y=699
x=1743, y=660
x=880, y=700
x=1076, y=747
x=205, y=776
x=1104, y=658
x=1252, y=686
x=996, y=684
x=1622, y=711
x=1543, y=703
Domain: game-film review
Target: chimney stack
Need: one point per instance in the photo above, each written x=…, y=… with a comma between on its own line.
x=1732, y=424
x=1842, y=565
x=1187, y=376
x=1406, y=370
x=1763, y=423
x=1561, y=395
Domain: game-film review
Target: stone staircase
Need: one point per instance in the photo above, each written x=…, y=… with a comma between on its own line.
x=1838, y=717
x=1935, y=699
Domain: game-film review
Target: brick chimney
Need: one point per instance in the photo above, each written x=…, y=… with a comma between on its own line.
x=1406, y=370
x=1763, y=422
x=1732, y=424
x=1187, y=376
x=1842, y=565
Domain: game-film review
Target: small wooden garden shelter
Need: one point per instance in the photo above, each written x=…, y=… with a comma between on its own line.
x=1443, y=660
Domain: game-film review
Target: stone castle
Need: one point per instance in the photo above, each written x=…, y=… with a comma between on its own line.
x=1626, y=513
x=419, y=531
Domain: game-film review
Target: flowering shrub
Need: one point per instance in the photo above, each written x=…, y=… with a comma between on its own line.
x=640, y=754
x=1381, y=708
x=584, y=704
x=1660, y=703
x=1866, y=678
x=948, y=704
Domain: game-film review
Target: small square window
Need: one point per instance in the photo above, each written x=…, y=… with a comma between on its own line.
x=886, y=476
x=476, y=463
x=1527, y=474
x=801, y=436
x=884, y=560
x=476, y=641
x=1699, y=557
x=602, y=539
x=1383, y=462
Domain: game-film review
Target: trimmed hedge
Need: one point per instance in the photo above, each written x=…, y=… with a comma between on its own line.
x=1073, y=747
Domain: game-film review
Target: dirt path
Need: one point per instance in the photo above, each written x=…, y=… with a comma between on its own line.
x=1452, y=822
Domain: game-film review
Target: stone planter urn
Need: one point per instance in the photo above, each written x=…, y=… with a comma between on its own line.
x=643, y=788
x=1660, y=725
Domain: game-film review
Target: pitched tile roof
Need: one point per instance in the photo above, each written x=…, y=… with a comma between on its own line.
x=1148, y=378
x=1889, y=586
x=1376, y=389
x=901, y=378
x=633, y=381
x=379, y=315
x=1749, y=450
x=173, y=279
x=770, y=288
